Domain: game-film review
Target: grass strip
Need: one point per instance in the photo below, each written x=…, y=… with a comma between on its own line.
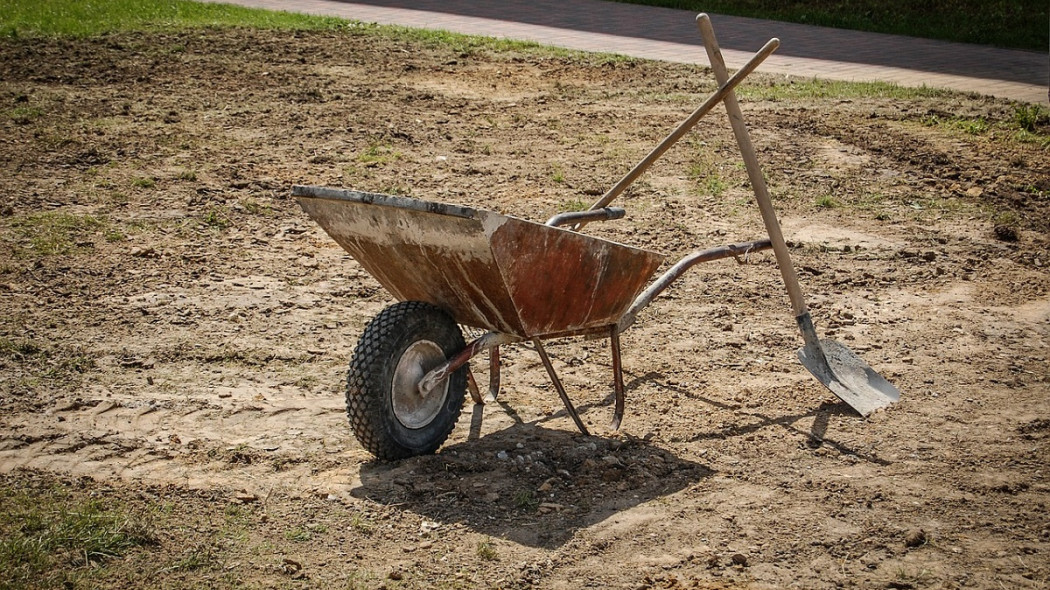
x=67, y=18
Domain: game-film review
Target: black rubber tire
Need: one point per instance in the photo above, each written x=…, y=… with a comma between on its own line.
x=370, y=382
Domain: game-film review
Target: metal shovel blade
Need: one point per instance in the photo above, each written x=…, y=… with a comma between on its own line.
x=845, y=373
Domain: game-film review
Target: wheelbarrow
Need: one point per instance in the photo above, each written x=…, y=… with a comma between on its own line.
x=522, y=281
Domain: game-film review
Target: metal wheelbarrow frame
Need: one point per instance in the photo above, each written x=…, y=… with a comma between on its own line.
x=523, y=281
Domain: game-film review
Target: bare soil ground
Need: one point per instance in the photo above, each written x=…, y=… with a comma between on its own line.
x=175, y=330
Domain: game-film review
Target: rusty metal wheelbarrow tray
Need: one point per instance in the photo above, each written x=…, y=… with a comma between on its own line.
x=487, y=270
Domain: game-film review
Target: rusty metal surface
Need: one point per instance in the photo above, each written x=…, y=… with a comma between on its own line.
x=487, y=270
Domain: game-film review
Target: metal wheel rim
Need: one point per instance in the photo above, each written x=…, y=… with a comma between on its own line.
x=411, y=409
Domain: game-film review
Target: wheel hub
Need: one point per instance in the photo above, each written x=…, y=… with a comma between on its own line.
x=411, y=408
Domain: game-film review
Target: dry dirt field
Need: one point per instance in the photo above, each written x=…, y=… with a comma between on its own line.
x=174, y=331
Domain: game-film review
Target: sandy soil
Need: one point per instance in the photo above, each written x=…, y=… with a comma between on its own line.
x=175, y=331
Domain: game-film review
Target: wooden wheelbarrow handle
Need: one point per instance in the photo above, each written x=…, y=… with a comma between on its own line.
x=725, y=89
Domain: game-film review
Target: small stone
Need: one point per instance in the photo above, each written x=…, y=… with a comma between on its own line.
x=548, y=485
x=915, y=538
x=396, y=576
x=739, y=559
x=1006, y=233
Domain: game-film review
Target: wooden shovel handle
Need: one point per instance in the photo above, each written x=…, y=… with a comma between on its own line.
x=754, y=171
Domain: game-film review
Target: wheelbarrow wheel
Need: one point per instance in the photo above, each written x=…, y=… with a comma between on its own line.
x=399, y=346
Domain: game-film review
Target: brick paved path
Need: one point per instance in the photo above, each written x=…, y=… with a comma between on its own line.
x=667, y=34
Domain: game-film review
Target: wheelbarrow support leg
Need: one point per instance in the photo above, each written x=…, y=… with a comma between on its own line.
x=561, y=388
x=614, y=344
x=472, y=387
x=493, y=373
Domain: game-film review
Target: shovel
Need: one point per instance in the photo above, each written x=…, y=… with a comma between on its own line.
x=834, y=365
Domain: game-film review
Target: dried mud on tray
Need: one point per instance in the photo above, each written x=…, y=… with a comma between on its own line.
x=175, y=331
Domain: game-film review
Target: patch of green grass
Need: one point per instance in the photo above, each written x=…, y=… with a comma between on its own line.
x=572, y=206
x=827, y=202
x=487, y=551
x=1032, y=122
x=48, y=18
x=707, y=177
x=526, y=500
x=977, y=126
x=820, y=89
x=24, y=115
x=1018, y=24
x=47, y=537
x=53, y=233
x=1028, y=124
x=1029, y=117
x=217, y=218
x=256, y=208
x=361, y=524
x=557, y=173
x=298, y=534
x=378, y=154
x=143, y=182
x=397, y=189
x=466, y=45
